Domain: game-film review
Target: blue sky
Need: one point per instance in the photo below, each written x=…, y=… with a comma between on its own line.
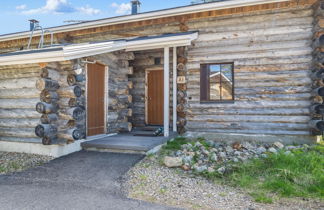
x=14, y=14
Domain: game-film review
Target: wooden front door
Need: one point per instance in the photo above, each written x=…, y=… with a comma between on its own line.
x=96, y=99
x=155, y=97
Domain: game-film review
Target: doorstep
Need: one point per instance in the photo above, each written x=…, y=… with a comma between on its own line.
x=133, y=142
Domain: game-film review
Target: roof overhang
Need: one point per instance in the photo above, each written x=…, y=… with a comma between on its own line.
x=227, y=4
x=74, y=51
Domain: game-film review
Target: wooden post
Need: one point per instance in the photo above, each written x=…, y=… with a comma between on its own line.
x=166, y=121
x=174, y=109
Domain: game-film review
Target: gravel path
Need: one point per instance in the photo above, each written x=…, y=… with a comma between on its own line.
x=150, y=181
x=14, y=162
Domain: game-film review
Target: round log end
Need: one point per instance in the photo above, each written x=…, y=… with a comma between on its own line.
x=40, y=131
x=321, y=40
x=78, y=134
x=181, y=67
x=71, y=80
x=317, y=125
x=78, y=113
x=79, y=78
x=46, y=141
x=318, y=108
x=40, y=108
x=77, y=91
x=40, y=84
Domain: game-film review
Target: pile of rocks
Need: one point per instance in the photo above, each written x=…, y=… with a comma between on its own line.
x=210, y=156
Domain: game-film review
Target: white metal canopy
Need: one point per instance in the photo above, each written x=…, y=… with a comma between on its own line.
x=73, y=51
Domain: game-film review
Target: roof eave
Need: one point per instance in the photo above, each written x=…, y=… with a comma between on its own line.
x=145, y=16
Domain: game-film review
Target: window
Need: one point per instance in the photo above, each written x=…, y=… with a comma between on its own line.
x=216, y=82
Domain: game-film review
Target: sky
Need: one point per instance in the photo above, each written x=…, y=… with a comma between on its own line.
x=14, y=14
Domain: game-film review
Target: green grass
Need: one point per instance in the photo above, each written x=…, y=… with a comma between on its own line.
x=175, y=144
x=297, y=175
x=300, y=174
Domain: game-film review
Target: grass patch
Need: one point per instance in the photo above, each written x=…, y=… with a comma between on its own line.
x=298, y=175
x=175, y=144
x=261, y=197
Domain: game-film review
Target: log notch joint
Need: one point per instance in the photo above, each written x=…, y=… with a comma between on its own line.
x=317, y=108
x=182, y=90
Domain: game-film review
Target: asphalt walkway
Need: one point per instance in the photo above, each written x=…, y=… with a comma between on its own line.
x=83, y=180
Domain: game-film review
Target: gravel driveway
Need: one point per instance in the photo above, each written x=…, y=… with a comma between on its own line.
x=83, y=180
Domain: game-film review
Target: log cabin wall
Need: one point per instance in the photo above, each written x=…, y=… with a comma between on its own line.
x=119, y=97
x=62, y=102
x=272, y=55
x=317, y=108
x=145, y=60
x=18, y=97
x=272, y=58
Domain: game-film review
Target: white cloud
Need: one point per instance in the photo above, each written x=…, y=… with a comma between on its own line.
x=21, y=7
x=88, y=10
x=61, y=7
x=122, y=9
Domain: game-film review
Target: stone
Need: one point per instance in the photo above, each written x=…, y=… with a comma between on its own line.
x=279, y=145
x=260, y=150
x=222, y=154
x=187, y=159
x=178, y=153
x=206, y=152
x=237, y=153
x=229, y=149
x=172, y=161
x=214, y=150
x=237, y=145
x=290, y=147
x=216, y=144
x=210, y=143
x=185, y=167
x=210, y=169
x=198, y=144
x=247, y=145
x=221, y=170
x=201, y=169
x=267, y=146
x=235, y=160
x=264, y=155
x=272, y=150
x=214, y=157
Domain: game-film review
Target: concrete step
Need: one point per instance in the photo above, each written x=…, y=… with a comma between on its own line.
x=125, y=143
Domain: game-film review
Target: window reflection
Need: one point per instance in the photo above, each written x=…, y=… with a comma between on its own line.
x=220, y=82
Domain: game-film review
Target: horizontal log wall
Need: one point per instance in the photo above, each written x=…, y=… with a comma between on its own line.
x=18, y=98
x=272, y=53
x=119, y=98
x=272, y=62
x=144, y=60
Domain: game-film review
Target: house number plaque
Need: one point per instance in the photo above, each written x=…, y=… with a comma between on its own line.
x=181, y=79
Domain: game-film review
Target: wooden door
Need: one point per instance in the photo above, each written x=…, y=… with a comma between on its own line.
x=96, y=99
x=155, y=97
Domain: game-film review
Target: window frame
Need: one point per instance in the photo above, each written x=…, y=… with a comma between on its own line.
x=205, y=84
